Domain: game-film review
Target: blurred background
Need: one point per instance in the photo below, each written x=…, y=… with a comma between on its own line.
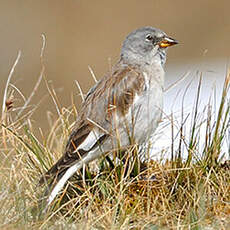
x=90, y=33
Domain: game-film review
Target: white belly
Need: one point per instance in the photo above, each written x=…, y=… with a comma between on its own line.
x=146, y=114
x=140, y=122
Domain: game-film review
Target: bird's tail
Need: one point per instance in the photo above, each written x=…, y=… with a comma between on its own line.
x=60, y=167
x=56, y=177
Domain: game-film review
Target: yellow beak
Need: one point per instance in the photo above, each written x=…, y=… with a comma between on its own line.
x=166, y=42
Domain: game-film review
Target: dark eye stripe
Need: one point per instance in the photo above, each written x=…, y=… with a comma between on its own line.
x=149, y=37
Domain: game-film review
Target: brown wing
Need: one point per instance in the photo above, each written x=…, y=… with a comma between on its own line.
x=69, y=157
x=114, y=92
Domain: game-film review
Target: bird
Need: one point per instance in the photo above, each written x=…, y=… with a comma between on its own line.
x=126, y=104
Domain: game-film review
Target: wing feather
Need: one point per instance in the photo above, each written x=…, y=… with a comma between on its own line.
x=114, y=92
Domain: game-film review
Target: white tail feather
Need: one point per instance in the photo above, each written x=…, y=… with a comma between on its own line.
x=63, y=180
x=74, y=168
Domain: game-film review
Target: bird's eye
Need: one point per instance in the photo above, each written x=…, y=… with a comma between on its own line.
x=149, y=37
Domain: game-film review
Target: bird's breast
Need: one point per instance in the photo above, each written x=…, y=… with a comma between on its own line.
x=145, y=113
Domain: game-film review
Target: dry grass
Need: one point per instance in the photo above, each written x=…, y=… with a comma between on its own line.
x=177, y=194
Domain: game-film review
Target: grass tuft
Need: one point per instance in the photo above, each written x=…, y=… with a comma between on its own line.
x=191, y=193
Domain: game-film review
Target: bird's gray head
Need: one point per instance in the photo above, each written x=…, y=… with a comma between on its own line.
x=144, y=44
